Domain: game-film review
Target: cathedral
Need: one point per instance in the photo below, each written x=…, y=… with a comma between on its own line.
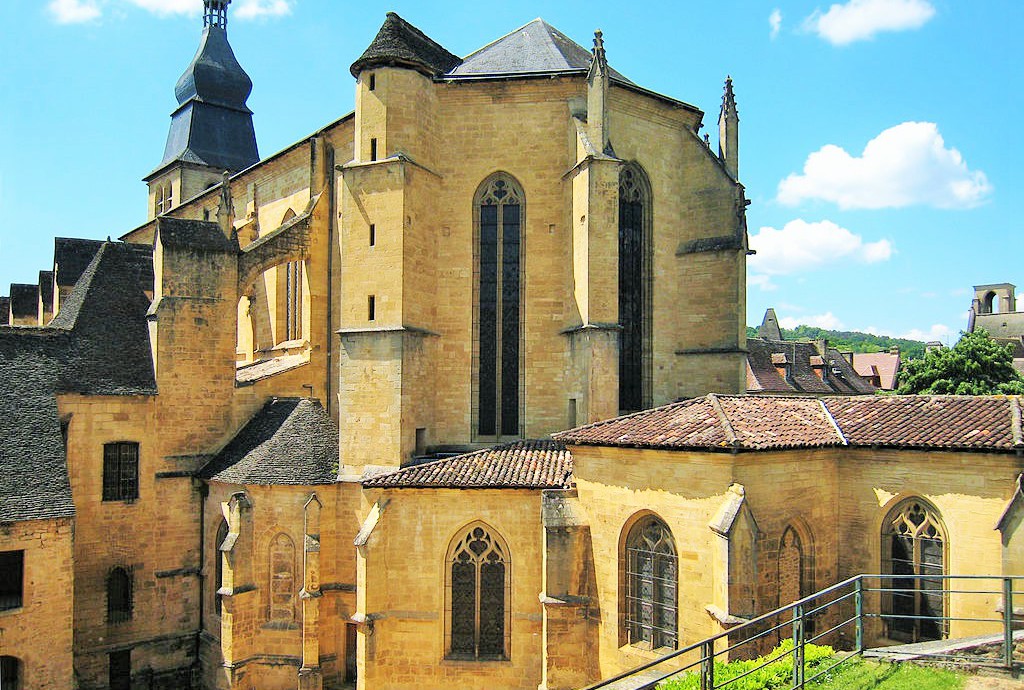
x=412, y=402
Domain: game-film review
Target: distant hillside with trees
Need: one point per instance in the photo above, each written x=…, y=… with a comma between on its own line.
x=854, y=341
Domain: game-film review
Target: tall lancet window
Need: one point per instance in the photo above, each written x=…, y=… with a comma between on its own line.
x=478, y=582
x=498, y=209
x=634, y=210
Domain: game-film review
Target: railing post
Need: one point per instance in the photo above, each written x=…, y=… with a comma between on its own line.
x=1008, y=622
x=798, y=646
x=707, y=665
x=858, y=602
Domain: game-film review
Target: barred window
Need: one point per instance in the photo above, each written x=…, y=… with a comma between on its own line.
x=498, y=212
x=119, y=595
x=12, y=579
x=652, y=582
x=478, y=566
x=120, y=471
x=282, y=579
x=913, y=543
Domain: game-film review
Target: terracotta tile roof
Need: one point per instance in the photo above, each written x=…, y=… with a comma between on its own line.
x=535, y=464
x=751, y=423
x=955, y=421
x=884, y=365
x=716, y=422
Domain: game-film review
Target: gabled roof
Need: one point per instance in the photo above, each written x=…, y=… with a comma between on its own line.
x=289, y=441
x=98, y=344
x=884, y=365
x=536, y=48
x=810, y=370
x=519, y=465
x=400, y=44
x=757, y=423
x=70, y=257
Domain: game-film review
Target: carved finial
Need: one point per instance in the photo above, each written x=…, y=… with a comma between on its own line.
x=215, y=13
x=225, y=206
x=729, y=98
x=707, y=140
x=599, y=54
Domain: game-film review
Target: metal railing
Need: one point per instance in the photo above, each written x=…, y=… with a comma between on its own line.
x=855, y=616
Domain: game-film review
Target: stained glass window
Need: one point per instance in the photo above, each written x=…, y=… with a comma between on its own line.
x=499, y=215
x=652, y=581
x=913, y=543
x=632, y=288
x=479, y=583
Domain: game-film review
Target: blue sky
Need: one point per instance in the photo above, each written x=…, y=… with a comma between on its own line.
x=878, y=138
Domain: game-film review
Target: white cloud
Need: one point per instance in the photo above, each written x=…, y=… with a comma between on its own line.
x=762, y=281
x=938, y=331
x=775, y=22
x=803, y=246
x=169, y=7
x=859, y=20
x=253, y=9
x=828, y=321
x=905, y=165
x=74, y=11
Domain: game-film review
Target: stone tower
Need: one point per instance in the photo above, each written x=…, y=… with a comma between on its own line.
x=211, y=129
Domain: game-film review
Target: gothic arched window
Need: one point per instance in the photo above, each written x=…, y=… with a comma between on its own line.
x=218, y=568
x=119, y=595
x=282, y=579
x=498, y=212
x=913, y=543
x=634, y=212
x=478, y=584
x=652, y=583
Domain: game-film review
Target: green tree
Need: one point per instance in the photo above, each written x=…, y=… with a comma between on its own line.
x=976, y=365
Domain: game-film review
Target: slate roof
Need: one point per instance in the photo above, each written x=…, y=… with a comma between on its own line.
x=758, y=423
x=46, y=288
x=5, y=311
x=98, y=344
x=194, y=234
x=212, y=125
x=289, y=441
x=400, y=44
x=536, y=48
x=810, y=370
x=70, y=257
x=537, y=464
x=24, y=299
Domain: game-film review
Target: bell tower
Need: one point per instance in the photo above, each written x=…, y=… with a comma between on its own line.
x=211, y=129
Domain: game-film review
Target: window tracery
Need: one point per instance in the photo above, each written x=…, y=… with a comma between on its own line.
x=652, y=583
x=499, y=217
x=478, y=596
x=913, y=543
x=633, y=288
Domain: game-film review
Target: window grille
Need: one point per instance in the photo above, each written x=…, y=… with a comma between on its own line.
x=120, y=471
x=652, y=581
x=913, y=543
x=478, y=617
x=12, y=579
x=499, y=214
x=119, y=596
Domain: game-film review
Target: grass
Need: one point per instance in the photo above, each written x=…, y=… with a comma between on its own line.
x=856, y=674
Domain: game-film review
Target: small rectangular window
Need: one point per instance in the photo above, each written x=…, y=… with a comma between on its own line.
x=373, y=234
x=120, y=471
x=373, y=82
x=373, y=149
x=12, y=579
x=371, y=307
x=421, y=442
